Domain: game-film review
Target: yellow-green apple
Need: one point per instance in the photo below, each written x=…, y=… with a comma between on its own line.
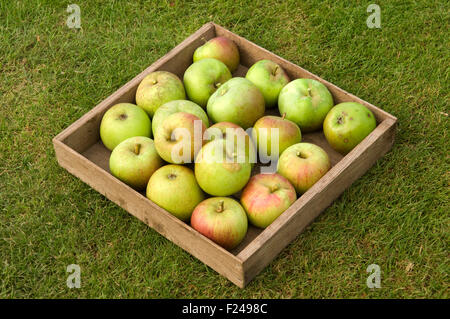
x=283, y=131
x=174, y=188
x=266, y=197
x=305, y=102
x=303, y=164
x=202, y=79
x=234, y=136
x=238, y=101
x=134, y=160
x=270, y=78
x=179, y=137
x=122, y=121
x=220, y=169
x=220, y=48
x=222, y=220
x=177, y=106
x=347, y=124
x=158, y=88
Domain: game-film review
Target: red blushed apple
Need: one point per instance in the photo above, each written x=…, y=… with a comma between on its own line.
x=303, y=164
x=262, y=133
x=266, y=197
x=220, y=48
x=222, y=220
x=179, y=137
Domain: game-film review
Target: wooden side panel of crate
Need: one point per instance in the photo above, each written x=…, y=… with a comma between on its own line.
x=154, y=216
x=251, y=53
x=84, y=132
x=264, y=248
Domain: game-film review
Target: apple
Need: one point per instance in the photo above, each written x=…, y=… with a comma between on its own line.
x=177, y=106
x=234, y=135
x=174, y=188
x=266, y=197
x=347, y=124
x=122, y=121
x=238, y=101
x=303, y=164
x=220, y=48
x=270, y=78
x=220, y=169
x=222, y=220
x=158, y=88
x=179, y=138
x=263, y=130
x=305, y=102
x=134, y=160
x=202, y=79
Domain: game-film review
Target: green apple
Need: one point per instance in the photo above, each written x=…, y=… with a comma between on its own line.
x=220, y=48
x=238, y=101
x=134, y=160
x=305, y=102
x=221, y=171
x=202, y=79
x=303, y=164
x=266, y=197
x=122, y=121
x=158, y=88
x=347, y=124
x=179, y=138
x=174, y=188
x=177, y=106
x=265, y=128
x=222, y=220
x=234, y=135
x=270, y=78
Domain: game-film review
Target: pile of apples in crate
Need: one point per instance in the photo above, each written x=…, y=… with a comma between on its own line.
x=192, y=169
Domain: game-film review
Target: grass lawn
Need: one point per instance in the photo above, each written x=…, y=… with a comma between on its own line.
x=396, y=215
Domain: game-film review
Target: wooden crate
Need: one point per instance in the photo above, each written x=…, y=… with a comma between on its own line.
x=80, y=150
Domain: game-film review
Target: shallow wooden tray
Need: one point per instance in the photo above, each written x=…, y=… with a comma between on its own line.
x=80, y=151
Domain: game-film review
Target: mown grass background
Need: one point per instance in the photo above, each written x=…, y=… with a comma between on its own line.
x=396, y=215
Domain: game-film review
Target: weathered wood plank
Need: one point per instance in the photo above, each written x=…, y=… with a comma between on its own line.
x=84, y=132
x=264, y=248
x=251, y=53
x=154, y=216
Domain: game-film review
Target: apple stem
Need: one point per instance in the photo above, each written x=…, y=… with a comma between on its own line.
x=137, y=148
x=217, y=84
x=154, y=81
x=220, y=208
x=283, y=116
x=273, y=189
x=299, y=154
x=274, y=72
